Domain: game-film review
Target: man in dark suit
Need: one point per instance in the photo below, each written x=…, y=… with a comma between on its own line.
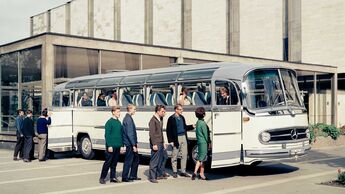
x=156, y=142
x=177, y=136
x=28, y=132
x=19, y=133
x=130, y=140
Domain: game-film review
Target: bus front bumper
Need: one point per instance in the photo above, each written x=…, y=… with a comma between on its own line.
x=277, y=153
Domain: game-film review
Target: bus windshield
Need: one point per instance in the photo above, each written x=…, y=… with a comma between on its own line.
x=264, y=89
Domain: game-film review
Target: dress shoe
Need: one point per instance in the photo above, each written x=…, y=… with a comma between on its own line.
x=203, y=178
x=42, y=160
x=153, y=181
x=193, y=176
x=102, y=181
x=175, y=174
x=27, y=160
x=166, y=175
x=161, y=177
x=135, y=178
x=115, y=180
x=127, y=180
x=15, y=158
x=184, y=174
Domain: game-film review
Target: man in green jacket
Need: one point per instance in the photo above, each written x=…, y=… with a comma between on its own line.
x=113, y=144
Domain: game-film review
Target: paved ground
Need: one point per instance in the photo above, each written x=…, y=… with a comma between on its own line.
x=70, y=174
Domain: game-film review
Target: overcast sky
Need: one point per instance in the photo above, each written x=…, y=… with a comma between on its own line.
x=15, y=17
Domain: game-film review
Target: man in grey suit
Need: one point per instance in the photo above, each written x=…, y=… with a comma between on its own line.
x=130, y=140
x=156, y=142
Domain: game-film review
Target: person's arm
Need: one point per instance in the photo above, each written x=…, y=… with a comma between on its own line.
x=107, y=133
x=205, y=132
x=130, y=131
x=49, y=121
x=187, y=127
x=169, y=130
x=19, y=125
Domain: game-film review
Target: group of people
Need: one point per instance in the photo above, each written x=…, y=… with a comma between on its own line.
x=122, y=138
x=25, y=132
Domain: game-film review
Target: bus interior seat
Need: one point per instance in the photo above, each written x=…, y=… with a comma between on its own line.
x=159, y=99
x=140, y=100
x=152, y=102
x=198, y=98
x=208, y=97
x=134, y=100
x=126, y=99
x=169, y=99
x=107, y=98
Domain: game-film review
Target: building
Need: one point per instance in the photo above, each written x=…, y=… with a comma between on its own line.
x=86, y=37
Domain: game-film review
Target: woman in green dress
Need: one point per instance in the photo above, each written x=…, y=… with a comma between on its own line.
x=202, y=136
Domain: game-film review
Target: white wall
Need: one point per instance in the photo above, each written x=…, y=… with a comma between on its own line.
x=167, y=23
x=58, y=20
x=133, y=21
x=323, y=32
x=79, y=17
x=261, y=28
x=104, y=19
x=40, y=23
x=209, y=25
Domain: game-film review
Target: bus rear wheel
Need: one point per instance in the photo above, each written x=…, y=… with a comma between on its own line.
x=85, y=148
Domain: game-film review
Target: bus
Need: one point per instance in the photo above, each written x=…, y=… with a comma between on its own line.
x=264, y=120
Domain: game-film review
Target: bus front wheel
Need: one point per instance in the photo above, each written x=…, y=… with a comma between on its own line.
x=85, y=148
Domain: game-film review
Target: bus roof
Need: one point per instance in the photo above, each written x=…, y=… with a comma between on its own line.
x=230, y=70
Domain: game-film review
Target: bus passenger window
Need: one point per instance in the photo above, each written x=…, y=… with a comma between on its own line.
x=56, y=99
x=85, y=97
x=106, y=97
x=65, y=99
x=194, y=93
x=161, y=94
x=132, y=95
x=226, y=93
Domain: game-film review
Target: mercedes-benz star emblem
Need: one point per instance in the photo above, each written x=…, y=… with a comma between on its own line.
x=294, y=134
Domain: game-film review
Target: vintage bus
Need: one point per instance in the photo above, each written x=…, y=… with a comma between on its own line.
x=265, y=118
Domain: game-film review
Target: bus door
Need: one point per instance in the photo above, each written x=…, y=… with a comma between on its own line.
x=60, y=132
x=226, y=127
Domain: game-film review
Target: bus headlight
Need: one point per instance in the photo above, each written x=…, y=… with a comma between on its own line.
x=265, y=136
x=307, y=133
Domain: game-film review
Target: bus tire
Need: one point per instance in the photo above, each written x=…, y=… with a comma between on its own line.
x=85, y=148
x=194, y=153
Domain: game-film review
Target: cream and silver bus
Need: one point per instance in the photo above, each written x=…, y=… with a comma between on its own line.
x=265, y=118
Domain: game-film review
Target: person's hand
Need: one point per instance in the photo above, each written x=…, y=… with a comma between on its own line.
x=135, y=149
x=194, y=126
x=50, y=114
x=165, y=146
x=209, y=146
x=172, y=144
x=110, y=149
x=122, y=150
x=155, y=147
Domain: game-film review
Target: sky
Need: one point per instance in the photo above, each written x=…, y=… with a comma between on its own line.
x=15, y=17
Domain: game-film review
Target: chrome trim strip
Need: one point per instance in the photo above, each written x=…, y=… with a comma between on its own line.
x=234, y=133
x=277, y=153
x=59, y=140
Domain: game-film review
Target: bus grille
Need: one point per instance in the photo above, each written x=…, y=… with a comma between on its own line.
x=291, y=134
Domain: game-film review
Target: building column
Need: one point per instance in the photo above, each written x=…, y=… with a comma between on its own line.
x=233, y=26
x=315, y=93
x=90, y=18
x=68, y=18
x=49, y=24
x=334, y=94
x=31, y=26
x=186, y=30
x=20, y=87
x=294, y=31
x=117, y=19
x=47, y=72
x=149, y=22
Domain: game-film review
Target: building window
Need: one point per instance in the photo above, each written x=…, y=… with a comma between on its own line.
x=30, y=62
x=9, y=69
x=151, y=61
x=74, y=62
x=112, y=61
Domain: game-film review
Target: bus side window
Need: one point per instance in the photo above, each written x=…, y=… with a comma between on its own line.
x=161, y=94
x=132, y=95
x=194, y=93
x=56, y=99
x=84, y=97
x=65, y=99
x=226, y=93
x=106, y=97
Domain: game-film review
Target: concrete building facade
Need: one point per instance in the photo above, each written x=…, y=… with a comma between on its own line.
x=85, y=37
